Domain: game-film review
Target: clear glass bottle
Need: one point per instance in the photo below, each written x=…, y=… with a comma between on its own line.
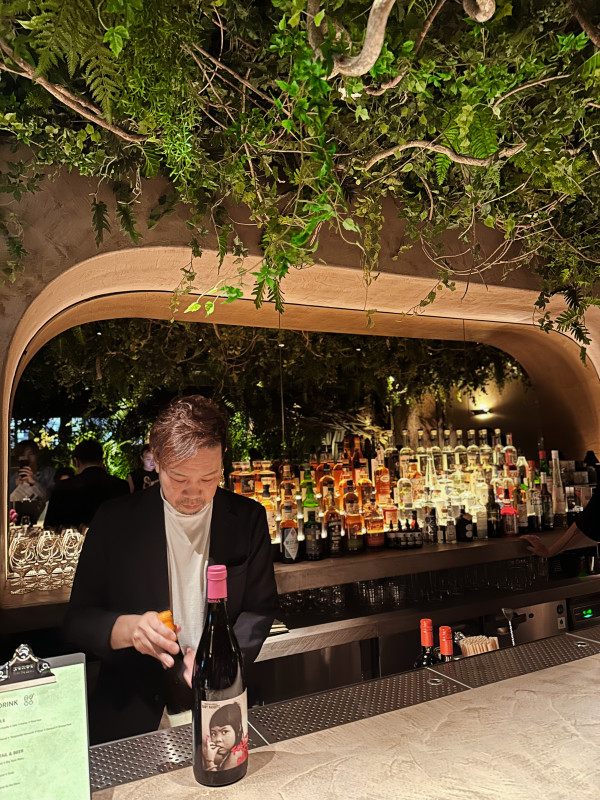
x=246, y=480
x=510, y=453
x=559, y=503
x=447, y=453
x=288, y=533
x=436, y=451
x=421, y=452
x=498, y=449
x=473, y=454
x=381, y=479
x=271, y=511
x=406, y=454
x=484, y=447
x=460, y=451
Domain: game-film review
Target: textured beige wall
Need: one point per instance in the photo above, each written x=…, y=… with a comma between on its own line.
x=68, y=281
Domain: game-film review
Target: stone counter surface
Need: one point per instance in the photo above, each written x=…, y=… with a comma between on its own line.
x=526, y=738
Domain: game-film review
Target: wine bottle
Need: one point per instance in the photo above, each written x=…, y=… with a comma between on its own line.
x=177, y=693
x=427, y=657
x=220, y=714
x=446, y=644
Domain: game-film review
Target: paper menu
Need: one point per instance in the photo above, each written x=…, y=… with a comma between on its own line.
x=44, y=737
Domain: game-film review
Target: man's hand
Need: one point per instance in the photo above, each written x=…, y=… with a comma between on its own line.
x=537, y=546
x=188, y=660
x=147, y=634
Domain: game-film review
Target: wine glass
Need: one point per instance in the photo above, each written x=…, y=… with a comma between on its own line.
x=71, y=542
x=21, y=560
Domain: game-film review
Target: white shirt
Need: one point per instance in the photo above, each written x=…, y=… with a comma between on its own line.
x=188, y=538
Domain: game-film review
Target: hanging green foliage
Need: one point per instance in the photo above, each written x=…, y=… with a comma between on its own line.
x=310, y=113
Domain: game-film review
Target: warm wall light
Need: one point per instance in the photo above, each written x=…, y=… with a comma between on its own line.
x=482, y=412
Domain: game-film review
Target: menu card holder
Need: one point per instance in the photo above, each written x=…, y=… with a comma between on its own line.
x=43, y=728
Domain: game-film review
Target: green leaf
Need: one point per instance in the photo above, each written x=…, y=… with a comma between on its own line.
x=100, y=221
x=209, y=307
x=319, y=18
x=195, y=306
x=489, y=221
x=116, y=38
x=165, y=206
x=350, y=225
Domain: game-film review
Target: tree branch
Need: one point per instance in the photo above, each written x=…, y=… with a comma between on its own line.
x=243, y=81
x=586, y=26
x=505, y=152
x=72, y=101
x=527, y=86
x=418, y=42
x=355, y=66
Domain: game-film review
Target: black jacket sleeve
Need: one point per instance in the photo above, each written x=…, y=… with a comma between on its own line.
x=588, y=520
x=89, y=620
x=259, y=603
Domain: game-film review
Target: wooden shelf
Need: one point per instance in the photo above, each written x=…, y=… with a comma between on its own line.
x=389, y=563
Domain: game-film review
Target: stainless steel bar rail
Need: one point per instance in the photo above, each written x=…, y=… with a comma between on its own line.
x=154, y=753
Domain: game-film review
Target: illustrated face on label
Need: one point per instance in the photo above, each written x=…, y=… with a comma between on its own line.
x=224, y=733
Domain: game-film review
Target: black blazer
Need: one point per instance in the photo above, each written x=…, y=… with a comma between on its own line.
x=123, y=570
x=76, y=500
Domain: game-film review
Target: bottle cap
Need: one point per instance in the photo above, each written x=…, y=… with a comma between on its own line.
x=446, y=643
x=166, y=617
x=216, y=577
x=426, y=633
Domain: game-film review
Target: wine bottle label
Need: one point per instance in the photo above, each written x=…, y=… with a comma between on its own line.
x=289, y=541
x=247, y=484
x=312, y=534
x=334, y=534
x=224, y=733
x=271, y=523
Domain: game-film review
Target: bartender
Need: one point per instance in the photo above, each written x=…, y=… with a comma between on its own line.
x=148, y=551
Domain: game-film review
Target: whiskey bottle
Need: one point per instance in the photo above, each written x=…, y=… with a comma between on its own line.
x=353, y=521
x=332, y=522
x=288, y=530
x=374, y=529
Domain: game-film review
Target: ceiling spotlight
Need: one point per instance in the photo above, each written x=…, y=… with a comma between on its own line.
x=280, y=344
x=358, y=349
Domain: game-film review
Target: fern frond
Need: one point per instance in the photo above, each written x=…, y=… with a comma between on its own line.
x=101, y=76
x=100, y=220
x=483, y=135
x=442, y=163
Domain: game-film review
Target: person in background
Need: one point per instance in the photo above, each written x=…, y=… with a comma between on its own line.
x=63, y=474
x=585, y=527
x=146, y=475
x=74, y=501
x=31, y=481
x=148, y=552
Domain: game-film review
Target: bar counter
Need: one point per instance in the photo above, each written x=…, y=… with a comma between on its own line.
x=520, y=723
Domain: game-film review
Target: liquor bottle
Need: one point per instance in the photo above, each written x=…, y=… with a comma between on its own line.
x=374, y=530
x=332, y=522
x=520, y=504
x=327, y=483
x=417, y=482
x=405, y=493
x=357, y=457
x=288, y=531
x=547, y=510
x=256, y=470
x=269, y=507
x=559, y=503
x=421, y=452
x=391, y=537
x=312, y=527
x=446, y=644
x=267, y=477
x=509, y=516
x=544, y=466
x=498, y=449
x=381, y=479
x=460, y=451
x=337, y=472
x=220, y=713
x=406, y=454
x=364, y=487
x=430, y=526
x=478, y=510
x=447, y=453
x=464, y=526
x=246, y=480
x=353, y=521
x=427, y=657
x=431, y=482
x=484, y=447
x=450, y=533
x=287, y=485
x=233, y=481
x=391, y=457
x=536, y=518
x=390, y=512
x=473, y=454
x=323, y=459
x=436, y=451
x=306, y=482
x=510, y=453
x=178, y=694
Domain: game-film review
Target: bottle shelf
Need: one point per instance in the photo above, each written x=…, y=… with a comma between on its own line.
x=390, y=563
